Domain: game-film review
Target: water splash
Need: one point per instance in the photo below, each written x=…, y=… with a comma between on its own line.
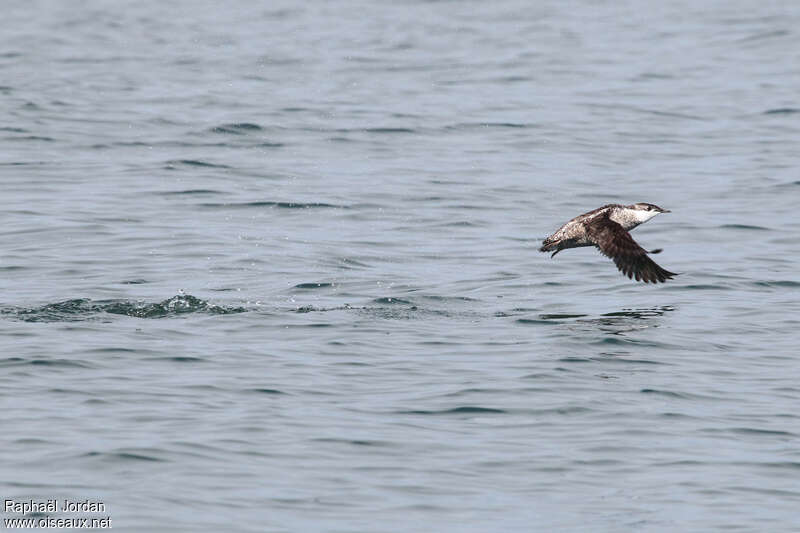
x=80, y=309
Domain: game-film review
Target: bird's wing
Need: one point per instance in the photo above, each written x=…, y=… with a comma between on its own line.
x=630, y=258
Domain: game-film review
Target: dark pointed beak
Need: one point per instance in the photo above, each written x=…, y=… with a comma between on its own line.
x=666, y=211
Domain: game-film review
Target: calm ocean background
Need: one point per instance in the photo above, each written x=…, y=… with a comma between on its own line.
x=273, y=266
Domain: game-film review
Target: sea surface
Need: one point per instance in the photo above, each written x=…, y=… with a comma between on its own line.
x=273, y=266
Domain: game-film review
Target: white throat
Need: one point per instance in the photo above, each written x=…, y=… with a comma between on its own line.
x=643, y=216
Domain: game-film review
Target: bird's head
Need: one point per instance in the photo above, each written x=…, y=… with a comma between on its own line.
x=645, y=211
x=642, y=206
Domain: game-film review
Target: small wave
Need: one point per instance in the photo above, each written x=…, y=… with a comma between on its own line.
x=744, y=226
x=348, y=263
x=189, y=192
x=483, y=125
x=778, y=283
x=460, y=224
x=179, y=359
x=30, y=138
x=238, y=128
x=575, y=359
x=391, y=300
x=474, y=409
x=23, y=163
x=467, y=409
x=667, y=393
x=760, y=431
x=389, y=130
x=172, y=163
x=474, y=390
x=21, y=361
x=532, y=321
x=440, y=298
x=623, y=358
x=279, y=205
x=653, y=76
x=269, y=145
x=320, y=285
x=703, y=287
x=764, y=35
x=782, y=111
x=353, y=442
x=123, y=456
x=680, y=395
x=618, y=340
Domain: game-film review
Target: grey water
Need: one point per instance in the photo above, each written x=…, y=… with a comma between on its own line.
x=273, y=266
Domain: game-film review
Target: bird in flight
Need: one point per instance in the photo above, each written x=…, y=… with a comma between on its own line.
x=607, y=228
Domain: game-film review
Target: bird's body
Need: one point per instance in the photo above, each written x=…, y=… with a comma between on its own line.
x=607, y=228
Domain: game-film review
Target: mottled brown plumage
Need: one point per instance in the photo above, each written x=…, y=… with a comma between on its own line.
x=607, y=228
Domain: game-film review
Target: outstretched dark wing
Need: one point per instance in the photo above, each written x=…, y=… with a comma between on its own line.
x=630, y=258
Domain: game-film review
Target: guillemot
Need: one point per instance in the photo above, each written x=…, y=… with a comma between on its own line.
x=607, y=228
